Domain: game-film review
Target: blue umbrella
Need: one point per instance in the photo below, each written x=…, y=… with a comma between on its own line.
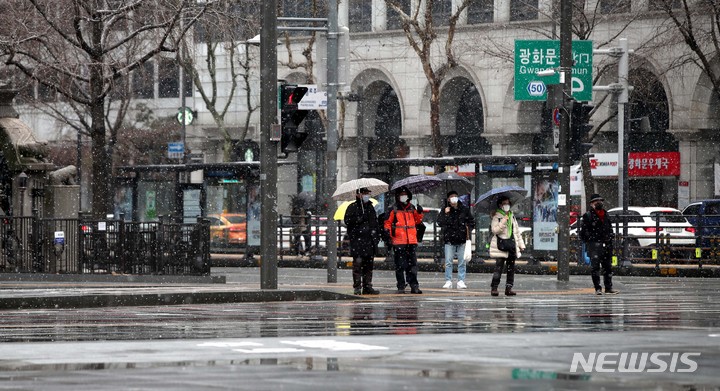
x=418, y=183
x=487, y=202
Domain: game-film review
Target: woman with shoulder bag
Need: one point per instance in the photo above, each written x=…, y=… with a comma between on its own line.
x=505, y=245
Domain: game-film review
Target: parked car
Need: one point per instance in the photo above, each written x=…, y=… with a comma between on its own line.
x=228, y=229
x=644, y=223
x=705, y=217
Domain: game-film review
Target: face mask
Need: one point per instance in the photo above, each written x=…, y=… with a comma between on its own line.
x=453, y=200
x=598, y=206
x=506, y=208
x=403, y=198
x=366, y=198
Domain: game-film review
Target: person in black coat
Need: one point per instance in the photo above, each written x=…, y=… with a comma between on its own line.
x=597, y=233
x=364, y=234
x=456, y=222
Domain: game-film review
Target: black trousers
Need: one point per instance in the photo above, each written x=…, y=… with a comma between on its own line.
x=406, y=267
x=499, y=265
x=298, y=245
x=600, y=255
x=362, y=272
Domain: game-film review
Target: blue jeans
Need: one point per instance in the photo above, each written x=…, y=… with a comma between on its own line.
x=452, y=251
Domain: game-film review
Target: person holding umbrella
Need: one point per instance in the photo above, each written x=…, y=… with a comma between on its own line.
x=456, y=222
x=505, y=246
x=401, y=225
x=364, y=233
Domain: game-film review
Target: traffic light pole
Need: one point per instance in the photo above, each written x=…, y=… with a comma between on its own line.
x=268, y=145
x=563, y=217
x=331, y=174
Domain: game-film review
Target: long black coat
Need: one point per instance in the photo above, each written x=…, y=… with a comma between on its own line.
x=594, y=229
x=363, y=229
x=456, y=225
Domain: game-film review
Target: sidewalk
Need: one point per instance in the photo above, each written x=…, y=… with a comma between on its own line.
x=230, y=285
x=480, y=266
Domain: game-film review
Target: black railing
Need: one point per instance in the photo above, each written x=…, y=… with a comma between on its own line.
x=661, y=243
x=35, y=245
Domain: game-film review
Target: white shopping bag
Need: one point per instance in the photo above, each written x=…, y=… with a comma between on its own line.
x=468, y=250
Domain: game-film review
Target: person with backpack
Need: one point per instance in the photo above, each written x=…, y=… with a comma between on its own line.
x=457, y=223
x=401, y=224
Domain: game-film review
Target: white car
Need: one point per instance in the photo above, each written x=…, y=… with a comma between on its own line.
x=646, y=224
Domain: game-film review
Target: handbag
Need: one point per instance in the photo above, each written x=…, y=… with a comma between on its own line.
x=420, y=231
x=467, y=256
x=506, y=244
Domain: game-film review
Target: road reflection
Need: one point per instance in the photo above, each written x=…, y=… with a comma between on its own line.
x=416, y=315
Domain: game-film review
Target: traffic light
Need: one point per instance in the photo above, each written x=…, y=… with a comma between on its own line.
x=291, y=117
x=579, y=129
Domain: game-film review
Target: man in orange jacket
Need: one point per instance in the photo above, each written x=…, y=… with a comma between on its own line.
x=401, y=224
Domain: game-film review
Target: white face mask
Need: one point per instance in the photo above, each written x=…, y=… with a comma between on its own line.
x=366, y=198
x=506, y=208
x=403, y=198
x=453, y=200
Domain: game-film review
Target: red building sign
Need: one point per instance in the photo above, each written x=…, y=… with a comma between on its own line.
x=653, y=164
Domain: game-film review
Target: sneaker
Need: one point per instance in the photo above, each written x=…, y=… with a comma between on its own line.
x=400, y=291
x=415, y=291
x=461, y=285
x=358, y=291
x=598, y=292
x=611, y=291
x=448, y=285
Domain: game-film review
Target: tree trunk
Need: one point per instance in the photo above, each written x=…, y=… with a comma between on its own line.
x=435, y=119
x=101, y=201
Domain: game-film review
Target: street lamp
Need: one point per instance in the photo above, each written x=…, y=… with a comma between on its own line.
x=22, y=185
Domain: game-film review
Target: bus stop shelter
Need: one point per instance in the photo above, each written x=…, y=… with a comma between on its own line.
x=535, y=172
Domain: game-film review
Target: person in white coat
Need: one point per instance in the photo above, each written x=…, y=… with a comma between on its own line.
x=506, y=245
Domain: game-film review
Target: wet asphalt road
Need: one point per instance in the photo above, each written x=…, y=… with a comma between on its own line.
x=439, y=340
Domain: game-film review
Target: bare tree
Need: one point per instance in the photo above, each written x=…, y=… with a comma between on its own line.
x=422, y=33
x=81, y=49
x=697, y=25
x=224, y=28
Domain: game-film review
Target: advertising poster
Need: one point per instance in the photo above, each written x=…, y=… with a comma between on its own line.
x=253, y=216
x=545, y=206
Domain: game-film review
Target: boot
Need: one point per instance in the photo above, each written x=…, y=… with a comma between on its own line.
x=493, y=291
x=509, y=291
x=368, y=290
x=415, y=290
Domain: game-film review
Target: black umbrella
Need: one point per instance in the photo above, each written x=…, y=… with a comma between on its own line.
x=487, y=203
x=454, y=181
x=304, y=200
x=417, y=183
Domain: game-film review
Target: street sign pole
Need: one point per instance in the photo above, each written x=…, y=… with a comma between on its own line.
x=563, y=217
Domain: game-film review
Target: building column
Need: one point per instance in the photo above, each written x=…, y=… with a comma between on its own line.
x=379, y=15
x=502, y=11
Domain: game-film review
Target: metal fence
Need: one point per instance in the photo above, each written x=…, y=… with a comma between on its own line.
x=35, y=245
x=660, y=243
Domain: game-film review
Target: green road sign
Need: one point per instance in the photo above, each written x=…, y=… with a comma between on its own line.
x=533, y=56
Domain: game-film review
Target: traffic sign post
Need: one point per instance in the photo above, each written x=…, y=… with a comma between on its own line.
x=176, y=150
x=533, y=56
